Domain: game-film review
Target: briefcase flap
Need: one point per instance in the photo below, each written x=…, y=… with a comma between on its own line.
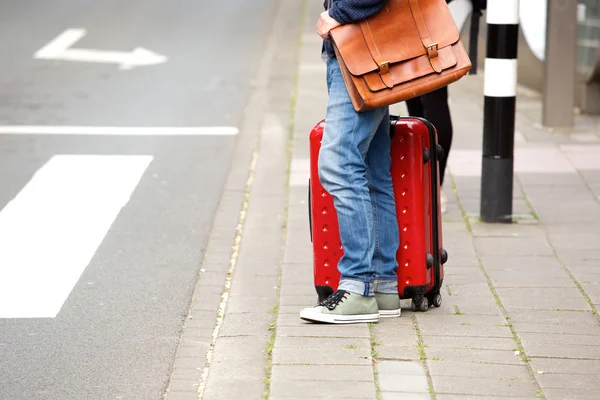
x=402, y=30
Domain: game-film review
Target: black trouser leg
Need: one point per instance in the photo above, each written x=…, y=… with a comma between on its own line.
x=434, y=108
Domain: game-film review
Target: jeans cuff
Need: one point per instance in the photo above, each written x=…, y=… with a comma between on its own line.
x=385, y=286
x=358, y=287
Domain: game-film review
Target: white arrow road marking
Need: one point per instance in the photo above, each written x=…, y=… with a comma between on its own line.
x=60, y=49
x=118, y=130
x=50, y=231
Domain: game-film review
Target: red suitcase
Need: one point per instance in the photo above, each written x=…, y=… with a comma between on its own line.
x=415, y=175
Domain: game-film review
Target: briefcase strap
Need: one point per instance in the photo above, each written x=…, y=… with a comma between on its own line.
x=382, y=64
x=428, y=43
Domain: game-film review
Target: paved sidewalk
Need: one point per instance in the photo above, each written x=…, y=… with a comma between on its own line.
x=519, y=318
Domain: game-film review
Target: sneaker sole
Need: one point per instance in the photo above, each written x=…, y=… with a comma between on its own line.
x=338, y=319
x=389, y=313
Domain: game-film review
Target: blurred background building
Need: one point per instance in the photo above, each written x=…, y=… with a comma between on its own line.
x=532, y=48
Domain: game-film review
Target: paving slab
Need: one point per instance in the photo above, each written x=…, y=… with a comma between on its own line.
x=395, y=340
x=574, y=381
x=480, y=229
x=486, y=397
x=533, y=302
x=469, y=289
x=566, y=327
x=343, y=356
x=565, y=366
x=194, y=374
x=565, y=339
x=322, y=343
x=485, y=331
x=300, y=301
x=512, y=262
x=184, y=385
x=247, y=304
x=454, y=306
x=312, y=330
x=536, y=349
x=574, y=239
x=585, y=275
x=233, y=389
x=483, y=386
x=395, y=332
x=586, y=318
x=193, y=351
x=404, y=383
x=205, y=301
x=473, y=305
x=591, y=290
x=480, y=343
x=571, y=394
x=323, y=389
x=296, y=276
x=309, y=373
x=461, y=277
x=579, y=258
x=473, y=355
x=183, y=395
x=299, y=289
x=479, y=370
x=555, y=278
x=246, y=324
x=315, y=397
x=427, y=320
x=402, y=376
x=468, y=342
x=291, y=313
x=404, y=396
x=393, y=352
x=581, y=212
x=400, y=368
x=528, y=293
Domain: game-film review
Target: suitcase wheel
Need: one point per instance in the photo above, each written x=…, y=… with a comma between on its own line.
x=429, y=260
x=419, y=303
x=440, y=152
x=426, y=155
x=444, y=255
x=435, y=299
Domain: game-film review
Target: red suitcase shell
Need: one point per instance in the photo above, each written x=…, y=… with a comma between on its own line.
x=415, y=175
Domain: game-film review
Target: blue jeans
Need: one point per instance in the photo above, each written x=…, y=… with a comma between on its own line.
x=354, y=167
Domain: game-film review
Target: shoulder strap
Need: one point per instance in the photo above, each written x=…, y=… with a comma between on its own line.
x=473, y=40
x=428, y=43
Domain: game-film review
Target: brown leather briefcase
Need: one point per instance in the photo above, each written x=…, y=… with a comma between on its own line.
x=407, y=49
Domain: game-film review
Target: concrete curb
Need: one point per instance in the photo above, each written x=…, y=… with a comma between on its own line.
x=249, y=179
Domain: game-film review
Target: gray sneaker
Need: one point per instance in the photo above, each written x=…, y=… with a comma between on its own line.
x=343, y=307
x=388, y=304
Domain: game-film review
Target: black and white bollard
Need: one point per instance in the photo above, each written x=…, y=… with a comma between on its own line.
x=500, y=90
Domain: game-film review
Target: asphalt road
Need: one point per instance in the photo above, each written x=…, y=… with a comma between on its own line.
x=102, y=235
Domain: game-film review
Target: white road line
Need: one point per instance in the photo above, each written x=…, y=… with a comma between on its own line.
x=50, y=231
x=63, y=41
x=118, y=130
x=60, y=49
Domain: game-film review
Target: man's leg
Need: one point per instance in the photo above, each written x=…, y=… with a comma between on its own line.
x=385, y=264
x=415, y=107
x=343, y=173
x=437, y=111
x=434, y=108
